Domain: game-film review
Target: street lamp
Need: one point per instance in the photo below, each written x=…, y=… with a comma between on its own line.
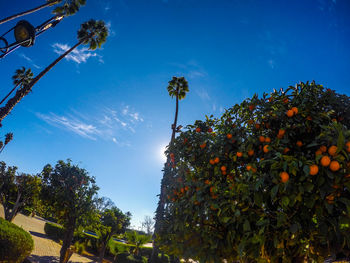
x=25, y=34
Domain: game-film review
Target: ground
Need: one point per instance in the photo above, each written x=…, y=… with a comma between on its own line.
x=45, y=250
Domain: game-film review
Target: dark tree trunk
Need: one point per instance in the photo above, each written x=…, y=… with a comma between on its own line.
x=103, y=248
x=14, y=210
x=9, y=93
x=160, y=208
x=50, y=3
x=68, y=237
x=11, y=103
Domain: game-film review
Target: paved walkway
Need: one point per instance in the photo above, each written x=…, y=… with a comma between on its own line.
x=45, y=250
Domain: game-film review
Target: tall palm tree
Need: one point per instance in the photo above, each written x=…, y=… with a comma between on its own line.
x=21, y=78
x=93, y=33
x=69, y=7
x=178, y=87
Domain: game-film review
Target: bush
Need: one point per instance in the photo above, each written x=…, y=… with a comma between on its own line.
x=79, y=247
x=54, y=231
x=15, y=243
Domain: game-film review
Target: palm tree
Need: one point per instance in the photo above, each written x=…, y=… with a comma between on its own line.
x=21, y=78
x=70, y=7
x=93, y=33
x=178, y=87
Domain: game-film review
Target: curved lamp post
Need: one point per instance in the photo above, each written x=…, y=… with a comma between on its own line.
x=25, y=34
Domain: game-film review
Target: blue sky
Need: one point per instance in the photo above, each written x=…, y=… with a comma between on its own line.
x=109, y=111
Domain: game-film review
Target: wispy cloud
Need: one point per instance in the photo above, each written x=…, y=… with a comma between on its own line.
x=78, y=55
x=190, y=70
x=72, y=124
x=203, y=94
x=29, y=60
x=110, y=124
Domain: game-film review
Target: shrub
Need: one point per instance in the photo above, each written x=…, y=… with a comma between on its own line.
x=15, y=243
x=79, y=247
x=54, y=231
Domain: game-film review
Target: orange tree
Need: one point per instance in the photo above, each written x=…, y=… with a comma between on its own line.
x=267, y=182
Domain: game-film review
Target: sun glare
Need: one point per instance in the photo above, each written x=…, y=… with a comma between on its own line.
x=162, y=155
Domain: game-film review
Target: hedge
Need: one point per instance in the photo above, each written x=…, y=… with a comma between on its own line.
x=15, y=243
x=54, y=231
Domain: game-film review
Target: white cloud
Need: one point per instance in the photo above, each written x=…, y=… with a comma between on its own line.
x=78, y=55
x=72, y=124
x=190, y=70
x=29, y=60
x=110, y=124
x=271, y=63
x=203, y=94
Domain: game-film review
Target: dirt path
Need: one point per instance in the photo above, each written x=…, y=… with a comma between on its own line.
x=45, y=250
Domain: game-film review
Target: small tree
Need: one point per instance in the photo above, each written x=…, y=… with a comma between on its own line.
x=17, y=192
x=113, y=221
x=148, y=225
x=70, y=191
x=137, y=240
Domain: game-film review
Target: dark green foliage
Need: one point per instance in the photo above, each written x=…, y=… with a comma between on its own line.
x=54, y=231
x=15, y=243
x=26, y=211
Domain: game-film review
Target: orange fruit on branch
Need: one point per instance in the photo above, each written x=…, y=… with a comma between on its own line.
x=223, y=168
x=323, y=148
x=286, y=150
x=284, y=177
x=267, y=140
x=290, y=113
x=318, y=152
x=261, y=139
x=313, y=169
x=211, y=161
x=325, y=161
x=229, y=136
x=217, y=160
x=239, y=154
x=332, y=150
x=347, y=147
x=198, y=129
x=334, y=166
x=299, y=143
x=203, y=145
x=249, y=167
x=295, y=110
x=266, y=148
x=251, y=152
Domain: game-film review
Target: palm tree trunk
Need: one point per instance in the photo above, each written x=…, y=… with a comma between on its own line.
x=9, y=93
x=176, y=112
x=11, y=103
x=50, y=3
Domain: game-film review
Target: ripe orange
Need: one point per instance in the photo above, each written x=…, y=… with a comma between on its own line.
x=281, y=133
x=210, y=130
x=211, y=161
x=251, y=152
x=332, y=150
x=286, y=150
x=325, y=161
x=267, y=140
x=299, y=143
x=203, y=145
x=254, y=170
x=261, y=139
x=330, y=197
x=318, y=152
x=249, y=167
x=229, y=136
x=239, y=154
x=251, y=107
x=250, y=122
x=347, y=146
x=309, y=118
x=290, y=113
x=334, y=166
x=257, y=126
x=295, y=110
x=323, y=149
x=211, y=189
x=223, y=168
x=266, y=148
x=186, y=188
x=313, y=169
x=285, y=100
x=284, y=177
x=198, y=129
x=207, y=181
x=217, y=160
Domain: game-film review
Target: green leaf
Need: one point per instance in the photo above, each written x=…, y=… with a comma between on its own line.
x=285, y=200
x=246, y=226
x=274, y=191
